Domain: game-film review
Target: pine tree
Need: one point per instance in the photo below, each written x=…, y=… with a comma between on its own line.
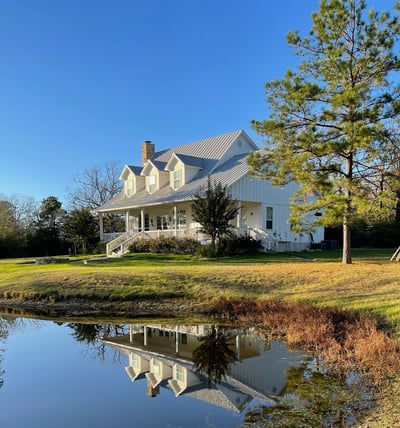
x=214, y=209
x=332, y=117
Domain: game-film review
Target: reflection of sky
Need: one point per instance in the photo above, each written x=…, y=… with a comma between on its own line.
x=51, y=380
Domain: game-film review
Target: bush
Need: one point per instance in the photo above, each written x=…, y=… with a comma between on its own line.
x=164, y=244
x=171, y=245
x=237, y=245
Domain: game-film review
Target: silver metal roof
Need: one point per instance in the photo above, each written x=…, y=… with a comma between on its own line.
x=209, y=151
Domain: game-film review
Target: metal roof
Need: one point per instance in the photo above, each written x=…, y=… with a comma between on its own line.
x=226, y=174
x=209, y=148
x=135, y=169
x=191, y=160
x=205, y=152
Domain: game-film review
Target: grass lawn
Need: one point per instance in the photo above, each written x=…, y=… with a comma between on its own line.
x=371, y=283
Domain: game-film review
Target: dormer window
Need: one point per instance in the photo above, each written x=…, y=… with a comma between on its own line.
x=177, y=179
x=182, y=169
x=152, y=183
x=133, y=182
x=130, y=186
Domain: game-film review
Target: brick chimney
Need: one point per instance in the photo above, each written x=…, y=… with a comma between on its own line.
x=148, y=149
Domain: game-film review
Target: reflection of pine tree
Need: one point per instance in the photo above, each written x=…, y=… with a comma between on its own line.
x=214, y=355
x=312, y=398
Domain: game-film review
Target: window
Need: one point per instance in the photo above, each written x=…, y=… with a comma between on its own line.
x=181, y=218
x=179, y=373
x=269, y=218
x=177, y=179
x=152, y=183
x=162, y=222
x=156, y=367
x=130, y=186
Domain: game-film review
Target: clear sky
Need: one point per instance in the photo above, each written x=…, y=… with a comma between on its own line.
x=83, y=82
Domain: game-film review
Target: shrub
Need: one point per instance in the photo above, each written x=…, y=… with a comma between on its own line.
x=164, y=244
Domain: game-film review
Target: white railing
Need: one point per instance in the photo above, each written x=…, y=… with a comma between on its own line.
x=105, y=237
x=122, y=243
x=268, y=242
x=115, y=243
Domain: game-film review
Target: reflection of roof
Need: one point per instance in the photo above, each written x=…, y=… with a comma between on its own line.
x=231, y=393
x=216, y=396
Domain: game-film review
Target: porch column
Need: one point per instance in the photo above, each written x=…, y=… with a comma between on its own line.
x=176, y=221
x=101, y=226
x=238, y=346
x=177, y=339
x=127, y=221
x=239, y=217
x=142, y=217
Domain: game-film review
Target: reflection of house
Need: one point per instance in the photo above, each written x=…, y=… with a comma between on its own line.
x=157, y=195
x=163, y=354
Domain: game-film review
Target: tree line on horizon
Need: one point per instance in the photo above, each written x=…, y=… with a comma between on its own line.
x=29, y=228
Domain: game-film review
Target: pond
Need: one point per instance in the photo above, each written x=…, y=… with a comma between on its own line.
x=150, y=374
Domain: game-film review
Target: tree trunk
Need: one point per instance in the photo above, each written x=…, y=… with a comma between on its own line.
x=397, y=215
x=212, y=245
x=346, y=257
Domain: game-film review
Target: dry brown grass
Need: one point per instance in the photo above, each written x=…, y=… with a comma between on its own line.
x=346, y=340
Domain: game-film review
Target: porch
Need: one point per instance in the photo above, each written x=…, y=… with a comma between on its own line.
x=175, y=220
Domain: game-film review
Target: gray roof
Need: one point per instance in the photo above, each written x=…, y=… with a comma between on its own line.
x=191, y=160
x=158, y=164
x=209, y=148
x=209, y=152
x=135, y=169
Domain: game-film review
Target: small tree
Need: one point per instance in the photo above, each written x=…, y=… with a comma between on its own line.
x=46, y=236
x=81, y=227
x=214, y=209
x=94, y=187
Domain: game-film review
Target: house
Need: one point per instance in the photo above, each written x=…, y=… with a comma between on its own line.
x=157, y=196
x=163, y=355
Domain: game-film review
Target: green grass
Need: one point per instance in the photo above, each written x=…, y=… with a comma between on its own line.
x=371, y=283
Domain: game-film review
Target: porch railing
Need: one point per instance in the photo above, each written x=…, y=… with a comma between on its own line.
x=122, y=243
x=115, y=243
x=267, y=241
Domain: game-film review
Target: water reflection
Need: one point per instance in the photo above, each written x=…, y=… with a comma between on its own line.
x=214, y=356
x=3, y=337
x=225, y=367
x=199, y=375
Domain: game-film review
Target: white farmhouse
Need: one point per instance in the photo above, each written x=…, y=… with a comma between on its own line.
x=157, y=195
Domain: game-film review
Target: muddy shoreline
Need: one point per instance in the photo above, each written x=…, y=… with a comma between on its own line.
x=87, y=308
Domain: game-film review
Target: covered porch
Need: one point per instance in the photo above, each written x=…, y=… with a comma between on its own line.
x=152, y=222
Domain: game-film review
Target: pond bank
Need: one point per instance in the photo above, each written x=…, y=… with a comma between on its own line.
x=150, y=284
x=347, y=341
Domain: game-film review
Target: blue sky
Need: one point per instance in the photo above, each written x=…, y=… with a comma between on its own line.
x=83, y=82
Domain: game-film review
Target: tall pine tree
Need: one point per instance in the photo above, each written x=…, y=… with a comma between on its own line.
x=332, y=117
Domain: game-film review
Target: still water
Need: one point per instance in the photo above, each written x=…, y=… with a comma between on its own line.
x=63, y=374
